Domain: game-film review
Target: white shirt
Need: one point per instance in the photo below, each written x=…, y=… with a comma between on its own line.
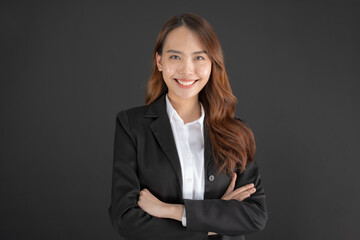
x=189, y=140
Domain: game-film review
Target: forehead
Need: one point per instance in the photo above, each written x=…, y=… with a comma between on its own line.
x=183, y=39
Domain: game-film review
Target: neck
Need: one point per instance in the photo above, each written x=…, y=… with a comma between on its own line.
x=188, y=109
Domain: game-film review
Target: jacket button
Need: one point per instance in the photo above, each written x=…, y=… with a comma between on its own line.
x=211, y=178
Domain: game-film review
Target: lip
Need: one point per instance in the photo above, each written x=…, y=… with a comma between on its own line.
x=185, y=80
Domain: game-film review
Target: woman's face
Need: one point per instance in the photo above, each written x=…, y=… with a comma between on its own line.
x=184, y=63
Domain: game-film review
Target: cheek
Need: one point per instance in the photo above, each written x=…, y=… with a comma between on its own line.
x=204, y=71
x=168, y=71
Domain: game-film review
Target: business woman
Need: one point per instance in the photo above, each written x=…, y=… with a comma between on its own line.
x=183, y=164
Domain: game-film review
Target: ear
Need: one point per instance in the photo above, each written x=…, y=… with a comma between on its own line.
x=158, y=61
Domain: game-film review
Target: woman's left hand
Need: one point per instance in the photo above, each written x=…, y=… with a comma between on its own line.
x=240, y=193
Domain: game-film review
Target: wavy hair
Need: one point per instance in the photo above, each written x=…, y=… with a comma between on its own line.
x=232, y=142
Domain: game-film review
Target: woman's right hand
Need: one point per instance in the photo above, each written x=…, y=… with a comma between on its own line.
x=240, y=193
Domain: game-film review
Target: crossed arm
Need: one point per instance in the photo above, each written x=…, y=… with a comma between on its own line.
x=241, y=210
x=153, y=206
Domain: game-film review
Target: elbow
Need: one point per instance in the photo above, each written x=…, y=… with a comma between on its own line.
x=259, y=222
x=259, y=215
x=124, y=228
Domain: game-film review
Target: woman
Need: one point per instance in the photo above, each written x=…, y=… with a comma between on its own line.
x=183, y=164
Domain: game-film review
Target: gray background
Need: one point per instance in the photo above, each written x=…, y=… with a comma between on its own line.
x=68, y=67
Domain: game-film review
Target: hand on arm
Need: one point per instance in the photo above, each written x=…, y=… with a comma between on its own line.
x=240, y=193
x=153, y=206
x=127, y=218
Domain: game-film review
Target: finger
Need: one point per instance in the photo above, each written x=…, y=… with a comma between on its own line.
x=230, y=188
x=244, y=188
x=238, y=193
x=247, y=191
x=243, y=195
x=231, y=185
x=239, y=190
x=144, y=191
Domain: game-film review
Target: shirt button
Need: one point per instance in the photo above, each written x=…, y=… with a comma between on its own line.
x=187, y=155
x=188, y=179
x=211, y=178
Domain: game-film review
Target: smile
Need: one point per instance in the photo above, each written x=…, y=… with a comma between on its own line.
x=185, y=83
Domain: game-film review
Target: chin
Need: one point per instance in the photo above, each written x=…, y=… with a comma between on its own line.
x=186, y=96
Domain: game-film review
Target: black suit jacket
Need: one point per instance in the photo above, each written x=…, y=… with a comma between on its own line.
x=145, y=156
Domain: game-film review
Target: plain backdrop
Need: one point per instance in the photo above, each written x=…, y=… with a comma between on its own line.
x=68, y=67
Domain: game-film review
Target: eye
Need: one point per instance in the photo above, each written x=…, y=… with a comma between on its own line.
x=199, y=58
x=174, y=57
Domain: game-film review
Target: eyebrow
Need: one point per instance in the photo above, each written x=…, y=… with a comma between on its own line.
x=179, y=52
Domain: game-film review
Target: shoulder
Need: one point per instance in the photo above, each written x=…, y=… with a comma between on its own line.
x=134, y=112
x=132, y=117
x=132, y=121
x=156, y=108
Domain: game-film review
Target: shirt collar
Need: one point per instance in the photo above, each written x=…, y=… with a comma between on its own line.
x=173, y=115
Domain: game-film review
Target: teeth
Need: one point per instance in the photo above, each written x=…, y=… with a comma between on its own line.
x=185, y=83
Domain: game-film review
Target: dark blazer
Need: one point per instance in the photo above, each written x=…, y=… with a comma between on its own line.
x=145, y=156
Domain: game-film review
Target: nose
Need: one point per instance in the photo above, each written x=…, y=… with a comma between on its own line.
x=187, y=67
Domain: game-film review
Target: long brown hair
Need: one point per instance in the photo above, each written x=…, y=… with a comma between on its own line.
x=232, y=141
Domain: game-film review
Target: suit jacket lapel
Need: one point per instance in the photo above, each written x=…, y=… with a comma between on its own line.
x=207, y=150
x=162, y=131
x=208, y=163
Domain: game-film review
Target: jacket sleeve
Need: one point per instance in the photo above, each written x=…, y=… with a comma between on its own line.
x=130, y=221
x=230, y=217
